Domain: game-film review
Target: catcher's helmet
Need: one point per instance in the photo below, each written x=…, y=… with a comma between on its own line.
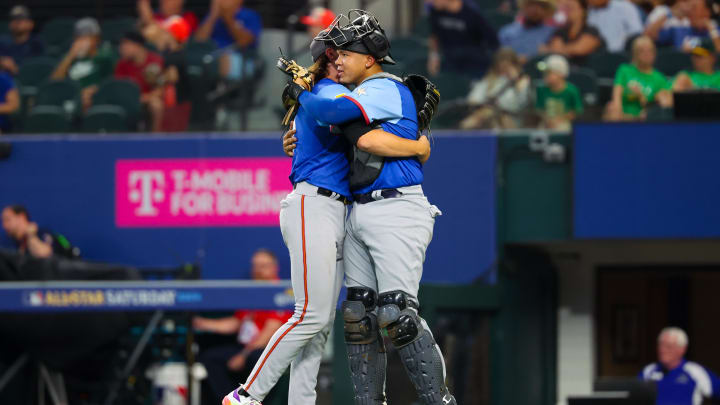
x=362, y=34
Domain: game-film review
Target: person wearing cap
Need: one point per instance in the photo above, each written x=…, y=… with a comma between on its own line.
x=685, y=37
x=232, y=26
x=558, y=102
x=704, y=75
x=318, y=19
x=145, y=68
x=461, y=40
x=20, y=44
x=638, y=85
x=86, y=62
x=617, y=20
x=526, y=35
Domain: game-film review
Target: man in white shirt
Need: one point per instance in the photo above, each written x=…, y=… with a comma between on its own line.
x=617, y=21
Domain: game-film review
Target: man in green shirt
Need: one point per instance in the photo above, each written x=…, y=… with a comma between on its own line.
x=704, y=75
x=638, y=84
x=86, y=62
x=557, y=102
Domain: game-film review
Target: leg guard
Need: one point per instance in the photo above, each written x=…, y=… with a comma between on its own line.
x=365, y=347
x=417, y=348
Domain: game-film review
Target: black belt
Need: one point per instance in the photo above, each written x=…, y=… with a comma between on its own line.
x=329, y=193
x=368, y=197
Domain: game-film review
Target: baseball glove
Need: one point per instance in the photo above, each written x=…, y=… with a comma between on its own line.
x=295, y=71
x=427, y=98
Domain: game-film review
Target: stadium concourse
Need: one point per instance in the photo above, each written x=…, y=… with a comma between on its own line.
x=570, y=171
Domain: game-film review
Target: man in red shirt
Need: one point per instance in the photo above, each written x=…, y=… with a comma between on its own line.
x=145, y=68
x=228, y=364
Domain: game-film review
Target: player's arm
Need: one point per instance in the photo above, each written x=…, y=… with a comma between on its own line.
x=225, y=326
x=333, y=111
x=381, y=143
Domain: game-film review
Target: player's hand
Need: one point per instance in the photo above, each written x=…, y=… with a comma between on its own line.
x=32, y=229
x=299, y=81
x=7, y=63
x=424, y=154
x=290, y=142
x=236, y=362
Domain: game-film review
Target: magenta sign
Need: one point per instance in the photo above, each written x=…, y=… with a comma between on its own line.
x=200, y=192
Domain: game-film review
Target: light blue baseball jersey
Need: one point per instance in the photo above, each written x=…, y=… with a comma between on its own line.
x=390, y=102
x=320, y=157
x=687, y=384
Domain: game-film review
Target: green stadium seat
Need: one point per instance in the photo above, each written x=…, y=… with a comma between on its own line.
x=670, y=61
x=123, y=93
x=105, y=118
x=422, y=28
x=114, y=29
x=46, y=119
x=205, y=47
x=452, y=86
x=498, y=19
x=406, y=49
x=606, y=64
x=61, y=93
x=4, y=29
x=34, y=72
x=659, y=114
x=586, y=81
x=58, y=34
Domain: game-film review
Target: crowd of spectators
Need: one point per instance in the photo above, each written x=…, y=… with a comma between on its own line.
x=549, y=50
x=151, y=53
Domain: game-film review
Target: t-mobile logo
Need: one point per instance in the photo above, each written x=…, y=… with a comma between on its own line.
x=146, y=189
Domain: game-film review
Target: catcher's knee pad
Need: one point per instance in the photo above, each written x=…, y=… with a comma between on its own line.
x=396, y=313
x=360, y=323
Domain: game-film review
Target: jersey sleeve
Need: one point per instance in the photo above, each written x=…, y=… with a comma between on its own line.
x=379, y=100
x=331, y=111
x=332, y=91
x=714, y=384
x=621, y=77
x=252, y=22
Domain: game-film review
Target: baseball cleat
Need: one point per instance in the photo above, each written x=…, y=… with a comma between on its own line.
x=234, y=398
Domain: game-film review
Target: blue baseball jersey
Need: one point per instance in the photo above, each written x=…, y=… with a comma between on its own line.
x=320, y=157
x=687, y=384
x=391, y=103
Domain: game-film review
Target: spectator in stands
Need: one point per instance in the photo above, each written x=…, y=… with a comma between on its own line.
x=617, y=20
x=86, y=62
x=501, y=96
x=145, y=68
x=32, y=240
x=228, y=364
x=20, y=44
x=671, y=11
x=169, y=27
x=318, y=19
x=9, y=101
x=529, y=33
x=679, y=382
x=638, y=85
x=685, y=33
x=230, y=25
x=558, y=102
x=576, y=40
x=461, y=40
x=704, y=74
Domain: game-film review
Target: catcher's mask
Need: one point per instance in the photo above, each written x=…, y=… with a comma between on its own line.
x=362, y=34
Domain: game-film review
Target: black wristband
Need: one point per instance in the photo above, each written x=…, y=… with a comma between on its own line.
x=294, y=91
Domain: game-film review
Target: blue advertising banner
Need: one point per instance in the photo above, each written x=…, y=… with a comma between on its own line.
x=647, y=180
x=153, y=200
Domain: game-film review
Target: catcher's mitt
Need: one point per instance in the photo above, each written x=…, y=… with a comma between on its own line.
x=427, y=98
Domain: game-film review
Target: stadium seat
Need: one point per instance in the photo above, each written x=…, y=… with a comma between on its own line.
x=532, y=67
x=200, y=46
x=452, y=86
x=586, y=81
x=123, y=93
x=62, y=93
x=406, y=49
x=4, y=29
x=46, y=119
x=658, y=114
x=498, y=19
x=114, y=29
x=606, y=64
x=422, y=27
x=670, y=61
x=58, y=34
x=105, y=118
x=33, y=72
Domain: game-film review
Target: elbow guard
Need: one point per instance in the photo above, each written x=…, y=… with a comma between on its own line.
x=352, y=131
